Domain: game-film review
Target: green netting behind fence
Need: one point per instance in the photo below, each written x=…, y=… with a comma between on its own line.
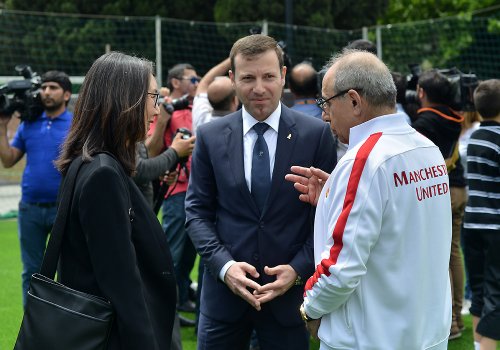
x=471, y=44
x=72, y=42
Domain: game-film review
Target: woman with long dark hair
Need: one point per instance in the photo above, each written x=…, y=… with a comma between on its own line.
x=114, y=246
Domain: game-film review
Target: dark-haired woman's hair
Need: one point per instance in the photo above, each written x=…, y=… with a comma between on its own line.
x=110, y=111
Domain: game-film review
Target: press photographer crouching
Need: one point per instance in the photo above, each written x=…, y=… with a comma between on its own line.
x=38, y=136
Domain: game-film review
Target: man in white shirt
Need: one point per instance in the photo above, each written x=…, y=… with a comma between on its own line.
x=382, y=230
x=215, y=95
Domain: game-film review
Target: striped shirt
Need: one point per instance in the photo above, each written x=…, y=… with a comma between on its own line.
x=483, y=167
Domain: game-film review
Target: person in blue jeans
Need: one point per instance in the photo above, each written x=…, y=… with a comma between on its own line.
x=40, y=140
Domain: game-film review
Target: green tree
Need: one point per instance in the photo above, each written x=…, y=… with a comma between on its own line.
x=197, y=10
x=450, y=33
x=401, y=11
x=340, y=14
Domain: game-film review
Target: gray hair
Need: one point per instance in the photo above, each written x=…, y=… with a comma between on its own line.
x=365, y=73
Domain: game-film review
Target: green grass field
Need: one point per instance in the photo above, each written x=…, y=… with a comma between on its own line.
x=11, y=301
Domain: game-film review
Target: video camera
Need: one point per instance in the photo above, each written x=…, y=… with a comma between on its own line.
x=22, y=95
x=462, y=84
x=177, y=104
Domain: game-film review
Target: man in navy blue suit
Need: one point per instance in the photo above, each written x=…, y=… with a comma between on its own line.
x=244, y=219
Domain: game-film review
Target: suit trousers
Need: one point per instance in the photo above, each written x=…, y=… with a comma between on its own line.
x=218, y=335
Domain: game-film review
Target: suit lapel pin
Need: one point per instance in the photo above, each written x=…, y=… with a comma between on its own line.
x=289, y=136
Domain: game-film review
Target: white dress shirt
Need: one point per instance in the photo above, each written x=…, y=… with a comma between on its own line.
x=249, y=139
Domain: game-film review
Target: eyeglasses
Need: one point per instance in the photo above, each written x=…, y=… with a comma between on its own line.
x=156, y=96
x=322, y=103
x=193, y=80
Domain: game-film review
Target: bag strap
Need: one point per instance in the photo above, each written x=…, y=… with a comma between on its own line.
x=51, y=257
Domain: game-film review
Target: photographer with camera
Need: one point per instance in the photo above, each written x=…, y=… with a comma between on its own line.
x=40, y=139
x=439, y=123
x=149, y=169
x=182, y=81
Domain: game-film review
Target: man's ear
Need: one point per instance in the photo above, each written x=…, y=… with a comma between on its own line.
x=67, y=96
x=283, y=75
x=231, y=76
x=420, y=93
x=355, y=100
x=176, y=83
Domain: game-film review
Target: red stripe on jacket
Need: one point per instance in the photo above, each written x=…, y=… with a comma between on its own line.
x=338, y=231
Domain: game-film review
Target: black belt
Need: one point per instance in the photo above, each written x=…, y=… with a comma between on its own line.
x=44, y=204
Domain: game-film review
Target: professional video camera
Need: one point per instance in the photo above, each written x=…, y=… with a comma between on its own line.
x=177, y=104
x=22, y=95
x=463, y=85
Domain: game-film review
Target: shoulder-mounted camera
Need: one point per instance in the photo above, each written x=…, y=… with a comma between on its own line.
x=462, y=87
x=22, y=95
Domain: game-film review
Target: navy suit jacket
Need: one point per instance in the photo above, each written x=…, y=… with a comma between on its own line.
x=225, y=224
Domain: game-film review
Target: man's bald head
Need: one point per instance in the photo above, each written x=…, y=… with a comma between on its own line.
x=303, y=81
x=221, y=94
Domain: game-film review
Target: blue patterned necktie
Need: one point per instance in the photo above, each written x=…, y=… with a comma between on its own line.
x=261, y=174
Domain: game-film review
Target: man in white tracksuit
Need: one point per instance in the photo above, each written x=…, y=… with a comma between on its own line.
x=382, y=232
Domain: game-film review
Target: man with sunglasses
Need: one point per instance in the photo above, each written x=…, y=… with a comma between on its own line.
x=382, y=230
x=182, y=81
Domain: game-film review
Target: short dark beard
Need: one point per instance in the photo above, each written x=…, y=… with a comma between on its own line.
x=52, y=108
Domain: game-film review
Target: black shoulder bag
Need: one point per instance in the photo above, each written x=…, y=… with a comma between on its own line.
x=57, y=317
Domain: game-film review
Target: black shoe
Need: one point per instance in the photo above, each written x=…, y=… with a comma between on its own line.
x=187, y=306
x=186, y=322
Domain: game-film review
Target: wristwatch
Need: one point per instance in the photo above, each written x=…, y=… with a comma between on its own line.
x=304, y=316
x=298, y=281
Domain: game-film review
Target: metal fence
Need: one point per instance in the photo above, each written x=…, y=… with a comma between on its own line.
x=71, y=42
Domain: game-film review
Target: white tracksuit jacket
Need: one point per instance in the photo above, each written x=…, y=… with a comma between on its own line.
x=382, y=240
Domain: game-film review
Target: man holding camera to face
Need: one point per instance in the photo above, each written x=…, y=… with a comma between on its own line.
x=40, y=140
x=182, y=81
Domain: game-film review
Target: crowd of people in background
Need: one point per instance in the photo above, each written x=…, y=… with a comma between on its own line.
x=339, y=203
